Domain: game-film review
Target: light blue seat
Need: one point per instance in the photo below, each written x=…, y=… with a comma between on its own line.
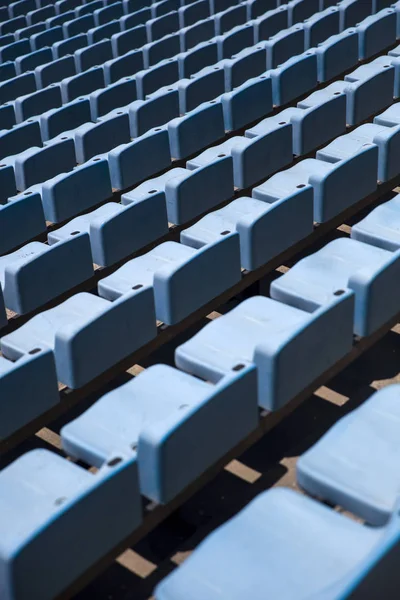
x=82, y=84
x=93, y=55
x=142, y=157
x=194, y=34
x=337, y=54
x=354, y=463
x=87, y=334
x=295, y=77
x=88, y=8
x=265, y=228
x=182, y=189
x=284, y=45
x=262, y=151
x=162, y=7
x=36, y=103
x=299, y=10
x=230, y=18
x=166, y=47
x=250, y=553
x=161, y=26
x=54, y=71
x=376, y=33
x=217, y=6
x=96, y=34
x=248, y=63
x=28, y=62
x=316, y=120
x=21, y=403
x=27, y=32
x=69, y=45
x=20, y=221
x=256, y=8
x=19, y=138
x=270, y=23
x=196, y=11
x=348, y=175
x=123, y=66
x=159, y=413
x=115, y=95
x=46, y=38
x=8, y=185
x=353, y=12
x=116, y=230
x=62, y=6
x=234, y=41
x=346, y=264
x=192, y=61
x=40, y=14
x=197, y=129
x=128, y=39
x=269, y=334
x=96, y=138
x=158, y=76
x=249, y=102
x=59, y=19
x=16, y=9
x=67, y=117
x=108, y=13
x=17, y=86
x=368, y=89
x=68, y=194
x=183, y=279
x=15, y=49
x=37, y=273
x=156, y=110
x=207, y=84
x=79, y=25
x=55, y=500
x=381, y=227
x=7, y=70
x=12, y=25
x=132, y=19
x=321, y=26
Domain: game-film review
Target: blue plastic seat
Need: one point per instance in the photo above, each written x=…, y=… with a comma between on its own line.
x=54, y=499
x=79, y=25
x=116, y=230
x=256, y=8
x=196, y=130
x=252, y=550
x=40, y=14
x=68, y=194
x=166, y=47
x=315, y=121
x=8, y=186
x=189, y=408
x=16, y=87
x=183, y=279
x=376, y=33
x=93, y=55
x=193, y=12
x=162, y=7
x=81, y=84
x=255, y=156
x=321, y=26
x=123, y=66
x=128, y=39
x=284, y=45
x=295, y=77
x=345, y=264
x=249, y=102
x=96, y=34
x=354, y=463
x=248, y=63
x=381, y=227
x=7, y=70
x=337, y=54
x=28, y=62
x=104, y=135
x=12, y=25
x=46, y=38
x=129, y=6
x=120, y=93
x=161, y=26
x=22, y=403
x=158, y=76
x=59, y=19
x=67, y=117
x=19, y=138
x=205, y=85
x=16, y=9
x=198, y=32
x=234, y=41
x=157, y=110
x=182, y=189
x=69, y=45
x=217, y=6
x=271, y=23
x=299, y=10
x=62, y=6
x=230, y=18
x=267, y=333
x=341, y=175
x=14, y=50
x=37, y=273
x=108, y=13
x=21, y=220
x=132, y=19
x=353, y=12
x=88, y=7
x=143, y=157
x=88, y=334
x=35, y=103
x=27, y=32
x=54, y=71
x=192, y=61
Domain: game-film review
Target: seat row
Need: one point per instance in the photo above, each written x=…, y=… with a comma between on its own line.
x=329, y=555
x=136, y=441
